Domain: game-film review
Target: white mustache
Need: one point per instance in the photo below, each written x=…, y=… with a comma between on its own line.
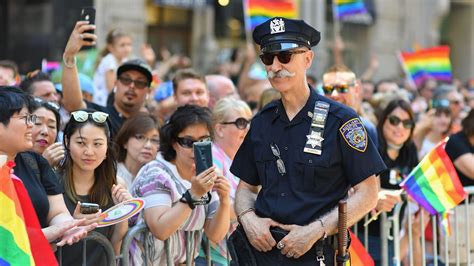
x=280, y=74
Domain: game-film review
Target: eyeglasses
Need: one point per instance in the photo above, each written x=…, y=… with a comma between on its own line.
x=280, y=164
x=142, y=139
x=47, y=104
x=395, y=121
x=29, y=119
x=188, y=142
x=283, y=57
x=139, y=84
x=83, y=116
x=240, y=123
x=455, y=102
x=340, y=88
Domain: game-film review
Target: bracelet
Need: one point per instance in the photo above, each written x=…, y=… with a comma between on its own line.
x=325, y=235
x=244, y=213
x=72, y=65
x=186, y=198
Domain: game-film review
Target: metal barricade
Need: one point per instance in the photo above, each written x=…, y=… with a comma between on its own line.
x=142, y=229
x=127, y=241
x=100, y=239
x=454, y=250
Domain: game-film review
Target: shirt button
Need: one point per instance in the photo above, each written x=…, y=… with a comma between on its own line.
x=282, y=194
x=286, y=148
x=310, y=161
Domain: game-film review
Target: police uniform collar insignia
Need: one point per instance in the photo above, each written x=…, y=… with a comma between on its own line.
x=354, y=134
x=277, y=25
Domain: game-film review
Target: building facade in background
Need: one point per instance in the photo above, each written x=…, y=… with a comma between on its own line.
x=205, y=31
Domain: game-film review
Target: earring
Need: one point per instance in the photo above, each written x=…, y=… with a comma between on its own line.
x=114, y=90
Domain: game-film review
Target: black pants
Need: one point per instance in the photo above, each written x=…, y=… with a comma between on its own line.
x=244, y=254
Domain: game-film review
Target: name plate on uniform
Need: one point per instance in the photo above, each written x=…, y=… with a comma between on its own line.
x=314, y=142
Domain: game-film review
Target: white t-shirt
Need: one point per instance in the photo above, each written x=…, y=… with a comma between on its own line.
x=101, y=93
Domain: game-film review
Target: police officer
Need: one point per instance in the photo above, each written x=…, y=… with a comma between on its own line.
x=305, y=151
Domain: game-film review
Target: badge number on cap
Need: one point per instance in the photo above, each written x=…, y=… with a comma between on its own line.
x=277, y=26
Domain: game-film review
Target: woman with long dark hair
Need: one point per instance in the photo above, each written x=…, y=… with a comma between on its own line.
x=89, y=175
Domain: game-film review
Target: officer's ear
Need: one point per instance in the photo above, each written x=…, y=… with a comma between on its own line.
x=309, y=59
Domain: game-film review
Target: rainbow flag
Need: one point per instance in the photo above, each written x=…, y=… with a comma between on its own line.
x=445, y=223
x=427, y=63
x=347, y=8
x=358, y=255
x=22, y=240
x=434, y=183
x=49, y=66
x=259, y=11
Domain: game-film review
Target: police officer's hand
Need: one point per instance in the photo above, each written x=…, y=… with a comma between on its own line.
x=298, y=240
x=222, y=187
x=387, y=199
x=202, y=183
x=258, y=231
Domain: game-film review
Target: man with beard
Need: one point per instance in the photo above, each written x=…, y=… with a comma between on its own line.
x=131, y=88
x=302, y=155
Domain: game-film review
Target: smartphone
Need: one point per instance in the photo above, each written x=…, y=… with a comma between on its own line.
x=89, y=208
x=88, y=14
x=202, y=156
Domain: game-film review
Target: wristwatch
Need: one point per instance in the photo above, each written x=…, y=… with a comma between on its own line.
x=192, y=203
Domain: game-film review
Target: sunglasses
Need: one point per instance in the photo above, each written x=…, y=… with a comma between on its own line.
x=240, y=123
x=47, y=104
x=139, y=84
x=340, y=88
x=283, y=57
x=395, y=121
x=83, y=116
x=142, y=139
x=188, y=142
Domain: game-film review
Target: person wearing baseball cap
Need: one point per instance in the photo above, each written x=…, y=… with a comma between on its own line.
x=131, y=87
x=292, y=179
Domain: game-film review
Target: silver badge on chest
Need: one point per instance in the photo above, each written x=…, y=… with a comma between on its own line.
x=314, y=142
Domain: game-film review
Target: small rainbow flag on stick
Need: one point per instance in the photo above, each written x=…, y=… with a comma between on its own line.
x=49, y=66
x=259, y=11
x=434, y=183
x=346, y=8
x=427, y=63
x=22, y=241
x=358, y=255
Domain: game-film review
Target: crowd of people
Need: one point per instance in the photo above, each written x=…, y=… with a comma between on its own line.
x=123, y=135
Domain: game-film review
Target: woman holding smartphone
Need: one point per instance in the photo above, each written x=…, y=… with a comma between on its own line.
x=179, y=201
x=89, y=175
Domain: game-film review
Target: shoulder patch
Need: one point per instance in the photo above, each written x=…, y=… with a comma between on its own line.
x=354, y=134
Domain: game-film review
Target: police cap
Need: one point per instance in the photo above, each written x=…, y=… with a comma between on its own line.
x=280, y=34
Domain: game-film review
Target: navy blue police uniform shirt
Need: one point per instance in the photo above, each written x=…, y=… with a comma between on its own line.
x=313, y=184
